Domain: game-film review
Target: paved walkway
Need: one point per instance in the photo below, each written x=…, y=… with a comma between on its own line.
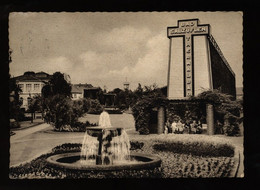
x=28, y=124
x=30, y=143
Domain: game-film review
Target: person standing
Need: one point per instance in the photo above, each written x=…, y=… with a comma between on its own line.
x=187, y=127
x=193, y=127
x=174, y=126
x=166, y=127
x=199, y=127
x=179, y=127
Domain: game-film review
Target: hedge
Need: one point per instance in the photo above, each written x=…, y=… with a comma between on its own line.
x=197, y=145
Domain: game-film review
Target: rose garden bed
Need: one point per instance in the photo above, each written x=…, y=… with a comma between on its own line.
x=182, y=156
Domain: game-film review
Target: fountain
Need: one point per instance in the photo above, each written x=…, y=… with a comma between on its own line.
x=104, y=148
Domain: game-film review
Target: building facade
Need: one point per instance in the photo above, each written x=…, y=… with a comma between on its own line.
x=79, y=91
x=31, y=84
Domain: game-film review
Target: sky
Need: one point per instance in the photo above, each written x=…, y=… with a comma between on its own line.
x=104, y=48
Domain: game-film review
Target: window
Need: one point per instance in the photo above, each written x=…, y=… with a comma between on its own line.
x=21, y=86
x=28, y=87
x=36, y=87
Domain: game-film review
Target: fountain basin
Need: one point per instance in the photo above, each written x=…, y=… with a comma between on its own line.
x=98, y=131
x=71, y=161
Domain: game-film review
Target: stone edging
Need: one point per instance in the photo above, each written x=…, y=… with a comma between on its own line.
x=235, y=168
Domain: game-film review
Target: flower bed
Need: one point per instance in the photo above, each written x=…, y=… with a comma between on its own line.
x=39, y=168
x=218, y=163
x=189, y=159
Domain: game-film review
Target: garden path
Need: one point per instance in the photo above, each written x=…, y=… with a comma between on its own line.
x=30, y=143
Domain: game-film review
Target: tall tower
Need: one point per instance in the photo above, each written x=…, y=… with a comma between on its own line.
x=126, y=84
x=196, y=63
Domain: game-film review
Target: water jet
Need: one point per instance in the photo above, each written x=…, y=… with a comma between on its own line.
x=104, y=148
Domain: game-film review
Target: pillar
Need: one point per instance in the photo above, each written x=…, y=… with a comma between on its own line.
x=161, y=116
x=210, y=119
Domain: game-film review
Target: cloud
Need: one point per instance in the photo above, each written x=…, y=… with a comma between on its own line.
x=114, y=55
x=104, y=48
x=125, y=39
x=54, y=64
x=152, y=67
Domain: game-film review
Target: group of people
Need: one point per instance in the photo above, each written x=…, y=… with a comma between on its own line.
x=194, y=127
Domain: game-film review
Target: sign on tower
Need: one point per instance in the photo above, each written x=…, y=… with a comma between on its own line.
x=187, y=29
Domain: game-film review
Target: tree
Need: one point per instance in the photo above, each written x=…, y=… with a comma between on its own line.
x=61, y=111
x=120, y=97
x=56, y=102
x=47, y=91
x=100, y=96
x=15, y=103
x=145, y=99
x=227, y=110
x=57, y=85
x=35, y=105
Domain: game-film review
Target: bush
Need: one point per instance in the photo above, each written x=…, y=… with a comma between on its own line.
x=231, y=129
x=62, y=111
x=231, y=125
x=95, y=107
x=85, y=104
x=81, y=127
x=136, y=145
x=194, y=145
x=67, y=147
x=14, y=124
x=141, y=116
x=114, y=111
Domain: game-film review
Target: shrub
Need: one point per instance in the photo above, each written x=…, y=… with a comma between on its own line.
x=114, y=111
x=81, y=127
x=62, y=111
x=14, y=124
x=67, y=147
x=141, y=112
x=85, y=104
x=95, y=107
x=76, y=111
x=195, y=145
x=231, y=125
x=136, y=145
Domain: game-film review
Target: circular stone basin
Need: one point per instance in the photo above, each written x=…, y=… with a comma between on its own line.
x=72, y=161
